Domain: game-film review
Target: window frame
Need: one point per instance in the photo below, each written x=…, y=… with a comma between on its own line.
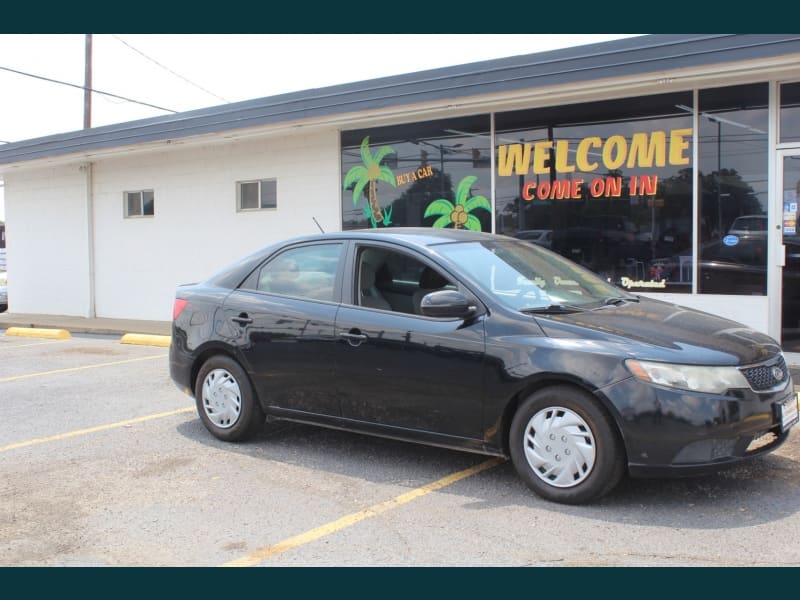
x=260, y=195
x=351, y=292
x=141, y=214
x=251, y=282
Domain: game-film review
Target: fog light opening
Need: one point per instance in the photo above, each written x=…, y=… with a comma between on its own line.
x=760, y=440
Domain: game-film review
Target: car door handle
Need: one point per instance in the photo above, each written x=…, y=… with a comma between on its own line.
x=353, y=338
x=242, y=319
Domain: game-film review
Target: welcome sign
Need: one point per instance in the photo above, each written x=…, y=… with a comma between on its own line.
x=545, y=157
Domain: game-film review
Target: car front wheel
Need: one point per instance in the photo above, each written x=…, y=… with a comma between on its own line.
x=565, y=447
x=225, y=400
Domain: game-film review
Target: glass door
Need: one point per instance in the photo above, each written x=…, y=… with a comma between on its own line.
x=790, y=219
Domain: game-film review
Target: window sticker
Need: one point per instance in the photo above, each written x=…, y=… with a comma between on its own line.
x=458, y=214
x=367, y=176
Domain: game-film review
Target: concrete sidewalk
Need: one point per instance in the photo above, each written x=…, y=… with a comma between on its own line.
x=85, y=325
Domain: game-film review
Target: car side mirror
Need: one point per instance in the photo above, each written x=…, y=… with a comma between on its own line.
x=447, y=304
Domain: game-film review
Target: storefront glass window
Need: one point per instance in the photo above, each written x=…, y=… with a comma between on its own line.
x=790, y=112
x=432, y=174
x=732, y=184
x=607, y=184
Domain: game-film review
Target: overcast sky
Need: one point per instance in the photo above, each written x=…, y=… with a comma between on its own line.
x=188, y=71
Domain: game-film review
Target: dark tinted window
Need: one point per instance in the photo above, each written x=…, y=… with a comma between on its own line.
x=732, y=180
x=306, y=272
x=790, y=112
x=430, y=174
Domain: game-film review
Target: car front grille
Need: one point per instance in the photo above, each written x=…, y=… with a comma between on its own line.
x=767, y=376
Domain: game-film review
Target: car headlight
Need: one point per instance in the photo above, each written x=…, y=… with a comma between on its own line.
x=711, y=380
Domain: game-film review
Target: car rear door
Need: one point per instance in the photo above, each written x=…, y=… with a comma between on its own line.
x=282, y=320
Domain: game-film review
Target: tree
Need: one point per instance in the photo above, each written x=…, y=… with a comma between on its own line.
x=458, y=214
x=368, y=175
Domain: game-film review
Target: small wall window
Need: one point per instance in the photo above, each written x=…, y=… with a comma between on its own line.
x=140, y=203
x=257, y=195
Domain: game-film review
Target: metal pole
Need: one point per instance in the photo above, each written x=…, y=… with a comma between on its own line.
x=87, y=84
x=719, y=177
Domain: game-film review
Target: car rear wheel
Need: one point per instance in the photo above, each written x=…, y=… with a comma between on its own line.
x=225, y=400
x=565, y=447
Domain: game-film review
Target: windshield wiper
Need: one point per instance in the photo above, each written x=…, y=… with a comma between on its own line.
x=617, y=300
x=553, y=309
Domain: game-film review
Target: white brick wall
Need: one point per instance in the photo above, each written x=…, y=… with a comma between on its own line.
x=46, y=245
x=195, y=231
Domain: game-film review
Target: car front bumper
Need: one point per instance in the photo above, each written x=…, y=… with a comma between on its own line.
x=670, y=432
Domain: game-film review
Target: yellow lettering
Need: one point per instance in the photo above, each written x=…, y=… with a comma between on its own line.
x=541, y=153
x=562, y=157
x=513, y=158
x=677, y=144
x=614, y=152
x=646, y=149
x=582, y=155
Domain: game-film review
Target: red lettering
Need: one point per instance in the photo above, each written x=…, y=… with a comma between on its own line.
x=649, y=185
x=528, y=191
x=543, y=190
x=614, y=186
x=597, y=187
x=560, y=189
x=577, y=189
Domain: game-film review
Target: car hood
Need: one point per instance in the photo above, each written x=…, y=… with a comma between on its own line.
x=655, y=330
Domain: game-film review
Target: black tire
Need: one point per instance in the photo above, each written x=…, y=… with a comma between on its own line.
x=578, y=455
x=225, y=400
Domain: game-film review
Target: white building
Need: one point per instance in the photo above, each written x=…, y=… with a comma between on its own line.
x=637, y=156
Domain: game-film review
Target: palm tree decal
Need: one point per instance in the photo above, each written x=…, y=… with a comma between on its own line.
x=368, y=175
x=458, y=214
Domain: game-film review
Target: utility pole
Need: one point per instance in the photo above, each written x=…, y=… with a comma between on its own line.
x=87, y=85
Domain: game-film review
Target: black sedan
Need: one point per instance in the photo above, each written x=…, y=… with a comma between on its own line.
x=481, y=343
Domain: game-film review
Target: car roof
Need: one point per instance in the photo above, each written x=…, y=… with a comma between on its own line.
x=232, y=274
x=420, y=236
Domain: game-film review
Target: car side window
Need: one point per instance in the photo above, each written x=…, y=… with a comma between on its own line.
x=395, y=281
x=306, y=272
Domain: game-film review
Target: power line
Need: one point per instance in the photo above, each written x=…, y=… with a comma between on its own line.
x=199, y=87
x=80, y=87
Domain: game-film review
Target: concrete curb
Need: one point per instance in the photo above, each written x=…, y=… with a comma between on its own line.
x=38, y=332
x=143, y=339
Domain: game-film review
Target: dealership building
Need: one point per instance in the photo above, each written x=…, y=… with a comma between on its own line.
x=669, y=164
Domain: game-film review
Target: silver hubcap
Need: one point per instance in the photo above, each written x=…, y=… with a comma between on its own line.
x=559, y=447
x=222, y=400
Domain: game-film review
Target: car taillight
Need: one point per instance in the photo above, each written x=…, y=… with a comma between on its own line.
x=178, y=307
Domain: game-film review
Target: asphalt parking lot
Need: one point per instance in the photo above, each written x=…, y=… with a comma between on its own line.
x=104, y=462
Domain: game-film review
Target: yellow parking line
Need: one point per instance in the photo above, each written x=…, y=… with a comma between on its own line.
x=351, y=519
x=71, y=434
x=83, y=368
x=2, y=346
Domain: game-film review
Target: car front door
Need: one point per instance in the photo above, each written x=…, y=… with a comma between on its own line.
x=401, y=369
x=282, y=321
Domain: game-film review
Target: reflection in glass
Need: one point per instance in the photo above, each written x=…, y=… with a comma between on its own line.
x=432, y=174
x=732, y=182
x=790, y=318
x=790, y=112
x=609, y=182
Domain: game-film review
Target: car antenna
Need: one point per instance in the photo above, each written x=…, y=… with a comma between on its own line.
x=318, y=225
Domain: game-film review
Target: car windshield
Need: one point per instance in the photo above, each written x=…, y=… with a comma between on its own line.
x=755, y=223
x=523, y=276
